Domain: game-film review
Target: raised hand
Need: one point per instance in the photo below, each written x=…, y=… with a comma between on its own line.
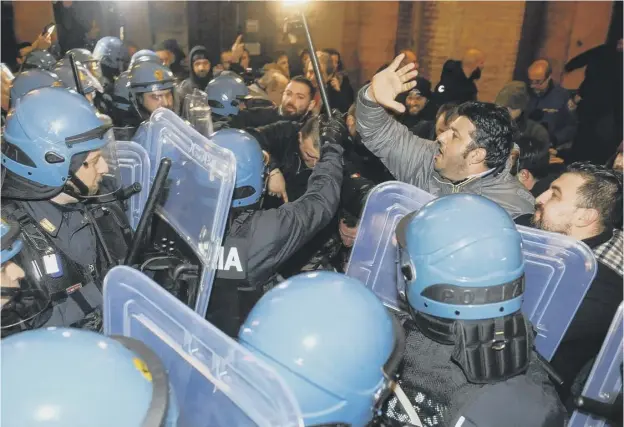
x=390, y=82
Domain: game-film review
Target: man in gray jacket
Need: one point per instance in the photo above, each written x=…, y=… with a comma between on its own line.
x=470, y=157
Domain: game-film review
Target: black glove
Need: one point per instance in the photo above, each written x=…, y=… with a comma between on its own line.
x=334, y=130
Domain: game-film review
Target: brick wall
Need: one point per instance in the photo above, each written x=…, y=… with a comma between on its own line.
x=447, y=29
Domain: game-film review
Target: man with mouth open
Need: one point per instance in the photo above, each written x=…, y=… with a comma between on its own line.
x=470, y=157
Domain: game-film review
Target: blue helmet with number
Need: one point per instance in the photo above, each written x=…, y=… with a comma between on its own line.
x=112, y=53
x=461, y=259
x=225, y=93
x=39, y=59
x=44, y=146
x=29, y=80
x=332, y=341
x=75, y=378
x=144, y=55
x=250, y=168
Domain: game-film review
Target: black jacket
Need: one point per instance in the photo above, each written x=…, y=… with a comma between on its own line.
x=454, y=85
x=187, y=86
x=342, y=99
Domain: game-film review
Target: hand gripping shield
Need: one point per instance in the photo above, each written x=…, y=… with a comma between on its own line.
x=215, y=380
x=197, y=200
x=558, y=269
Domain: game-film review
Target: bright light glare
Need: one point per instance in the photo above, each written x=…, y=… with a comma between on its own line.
x=293, y=2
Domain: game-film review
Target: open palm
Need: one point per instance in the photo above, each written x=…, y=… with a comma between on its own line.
x=390, y=82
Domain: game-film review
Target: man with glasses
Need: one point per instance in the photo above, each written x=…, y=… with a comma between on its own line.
x=548, y=104
x=60, y=184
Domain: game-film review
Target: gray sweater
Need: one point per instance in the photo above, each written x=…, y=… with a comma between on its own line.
x=410, y=159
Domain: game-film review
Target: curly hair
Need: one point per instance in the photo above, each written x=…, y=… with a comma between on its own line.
x=494, y=130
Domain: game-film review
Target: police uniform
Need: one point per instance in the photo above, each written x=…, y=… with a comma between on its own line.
x=257, y=243
x=62, y=242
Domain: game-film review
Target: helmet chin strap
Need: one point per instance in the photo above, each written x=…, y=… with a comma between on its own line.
x=83, y=190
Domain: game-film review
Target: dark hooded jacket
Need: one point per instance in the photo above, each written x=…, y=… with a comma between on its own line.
x=187, y=86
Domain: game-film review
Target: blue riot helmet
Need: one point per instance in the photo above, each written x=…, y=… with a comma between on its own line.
x=86, y=58
x=332, y=341
x=121, y=92
x=22, y=299
x=461, y=259
x=225, y=93
x=75, y=378
x=89, y=83
x=250, y=167
x=39, y=59
x=144, y=55
x=65, y=148
x=154, y=81
x=29, y=80
x=112, y=54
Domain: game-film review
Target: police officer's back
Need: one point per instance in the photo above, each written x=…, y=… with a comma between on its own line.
x=264, y=240
x=59, y=165
x=469, y=351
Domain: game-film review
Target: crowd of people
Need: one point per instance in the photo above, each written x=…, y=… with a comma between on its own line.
x=540, y=156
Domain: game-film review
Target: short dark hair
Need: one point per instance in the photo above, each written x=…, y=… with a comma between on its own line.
x=494, y=130
x=448, y=110
x=602, y=190
x=331, y=51
x=308, y=83
x=534, y=156
x=277, y=55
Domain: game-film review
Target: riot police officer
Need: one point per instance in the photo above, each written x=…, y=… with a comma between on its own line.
x=334, y=344
x=265, y=239
x=60, y=166
x=462, y=271
x=225, y=94
x=151, y=86
x=113, y=57
x=48, y=372
x=86, y=58
x=22, y=298
x=29, y=80
x=40, y=59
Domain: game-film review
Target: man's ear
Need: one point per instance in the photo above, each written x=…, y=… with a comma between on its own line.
x=524, y=175
x=586, y=217
x=312, y=105
x=300, y=135
x=477, y=156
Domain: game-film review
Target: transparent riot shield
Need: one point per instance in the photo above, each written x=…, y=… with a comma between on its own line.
x=216, y=382
x=134, y=166
x=191, y=216
x=198, y=113
x=558, y=269
x=605, y=380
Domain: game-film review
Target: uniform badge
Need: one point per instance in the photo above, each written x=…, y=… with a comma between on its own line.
x=57, y=84
x=47, y=225
x=158, y=75
x=52, y=266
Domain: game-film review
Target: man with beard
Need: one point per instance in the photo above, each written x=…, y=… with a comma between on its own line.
x=200, y=75
x=457, y=81
x=471, y=156
x=297, y=102
x=585, y=203
x=418, y=105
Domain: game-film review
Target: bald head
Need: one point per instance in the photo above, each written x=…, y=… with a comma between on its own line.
x=473, y=58
x=410, y=57
x=539, y=76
